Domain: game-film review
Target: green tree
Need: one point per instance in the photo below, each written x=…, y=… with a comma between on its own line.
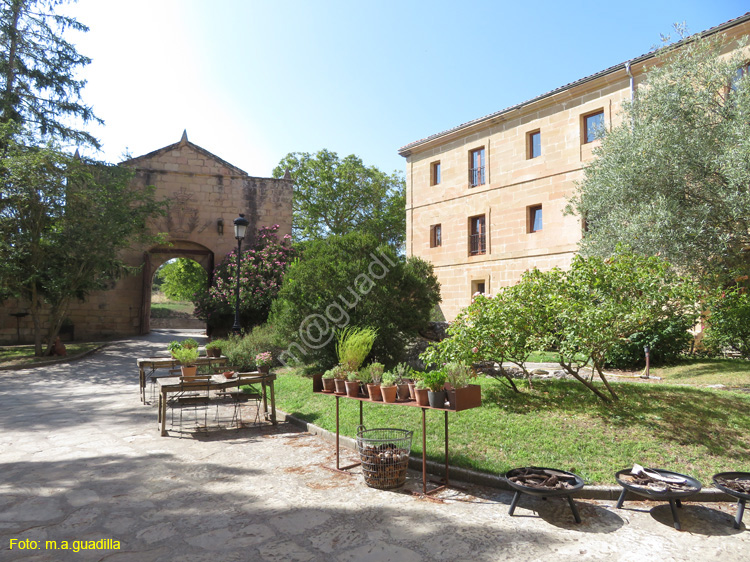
x=182, y=278
x=39, y=89
x=334, y=196
x=63, y=224
x=353, y=280
x=673, y=178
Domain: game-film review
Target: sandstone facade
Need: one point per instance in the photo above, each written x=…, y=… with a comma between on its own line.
x=485, y=183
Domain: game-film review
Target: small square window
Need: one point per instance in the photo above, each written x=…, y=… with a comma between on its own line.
x=533, y=144
x=593, y=126
x=535, y=218
x=435, y=173
x=477, y=236
x=741, y=72
x=436, y=236
x=476, y=167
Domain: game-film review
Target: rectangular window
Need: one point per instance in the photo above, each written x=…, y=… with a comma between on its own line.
x=435, y=173
x=477, y=236
x=533, y=144
x=436, y=236
x=476, y=167
x=535, y=218
x=477, y=287
x=593, y=126
x=741, y=71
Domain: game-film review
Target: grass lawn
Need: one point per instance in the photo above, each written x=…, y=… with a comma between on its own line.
x=162, y=307
x=733, y=373
x=23, y=355
x=560, y=424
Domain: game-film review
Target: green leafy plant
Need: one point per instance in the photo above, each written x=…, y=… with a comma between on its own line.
x=434, y=380
x=388, y=379
x=216, y=344
x=173, y=345
x=402, y=372
x=190, y=343
x=457, y=374
x=187, y=356
x=329, y=374
x=353, y=345
x=352, y=376
x=376, y=371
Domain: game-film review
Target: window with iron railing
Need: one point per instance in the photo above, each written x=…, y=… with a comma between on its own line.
x=476, y=167
x=477, y=236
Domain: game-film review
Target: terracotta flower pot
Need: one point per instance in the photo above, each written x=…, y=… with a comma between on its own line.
x=188, y=373
x=402, y=391
x=329, y=385
x=420, y=395
x=466, y=397
x=352, y=388
x=374, y=391
x=340, y=386
x=389, y=393
x=411, y=391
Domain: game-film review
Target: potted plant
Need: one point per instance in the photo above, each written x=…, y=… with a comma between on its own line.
x=374, y=376
x=421, y=393
x=339, y=379
x=461, y=394
x=263, y=362
x=190, y=343
x=353, y=345
x=213, y=349
x=352, y=384
x=388, y=387
x=187, y=357
x=435, y=382
x=240, y=356
x=415, y=376
x=402, y=372
x=172, y=346
x=328, y=384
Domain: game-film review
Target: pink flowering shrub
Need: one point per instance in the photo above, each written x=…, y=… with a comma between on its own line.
x=262, y=268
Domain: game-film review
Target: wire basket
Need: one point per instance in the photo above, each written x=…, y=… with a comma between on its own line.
x=384, y=454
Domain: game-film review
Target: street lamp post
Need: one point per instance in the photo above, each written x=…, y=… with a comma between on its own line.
x=240, y=227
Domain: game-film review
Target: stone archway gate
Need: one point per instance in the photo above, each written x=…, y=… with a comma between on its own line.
x=205, y=194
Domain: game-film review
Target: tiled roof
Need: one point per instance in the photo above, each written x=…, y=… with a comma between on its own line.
x=406, y=150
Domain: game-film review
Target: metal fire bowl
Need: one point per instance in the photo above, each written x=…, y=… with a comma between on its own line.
x=730, y=476
x=544, y=492
x=667, y=494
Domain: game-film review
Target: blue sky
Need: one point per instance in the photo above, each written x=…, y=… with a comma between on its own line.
x=253, y=80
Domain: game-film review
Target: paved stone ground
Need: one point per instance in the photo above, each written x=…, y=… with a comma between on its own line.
x=81, y=459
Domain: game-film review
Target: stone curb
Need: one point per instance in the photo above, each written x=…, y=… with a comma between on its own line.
x=53, y=361
x=469, y=476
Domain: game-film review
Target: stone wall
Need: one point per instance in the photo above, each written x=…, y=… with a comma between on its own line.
x=205, y=195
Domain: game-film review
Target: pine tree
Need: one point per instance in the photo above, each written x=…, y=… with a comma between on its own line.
x=39, y=90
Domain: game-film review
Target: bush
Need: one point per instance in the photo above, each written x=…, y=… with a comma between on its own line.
x=667, y=340
x=352, y=280
x=728, y=320
x=241, y=351
x=262, y=269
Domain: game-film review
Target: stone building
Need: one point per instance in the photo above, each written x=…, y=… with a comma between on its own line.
x=485, y=200
x=205, y=195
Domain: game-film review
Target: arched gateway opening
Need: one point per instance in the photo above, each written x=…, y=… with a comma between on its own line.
x=154, y=258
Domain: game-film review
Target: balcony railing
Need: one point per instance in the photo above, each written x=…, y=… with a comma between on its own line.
x=477, y=244
x=476, y=176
